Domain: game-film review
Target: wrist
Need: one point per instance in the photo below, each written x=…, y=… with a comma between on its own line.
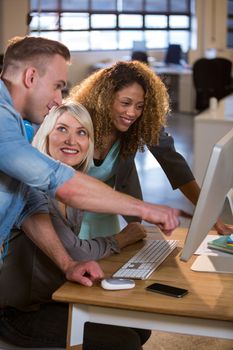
x=119, y=239
x=68, y=264
x=140, y=209
x=115, y=244
x=143, y=210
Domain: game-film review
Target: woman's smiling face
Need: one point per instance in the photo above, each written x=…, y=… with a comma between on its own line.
x=127, y=106
x=68, y=142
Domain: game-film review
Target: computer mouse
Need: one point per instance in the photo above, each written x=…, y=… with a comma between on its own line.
x=117, y=283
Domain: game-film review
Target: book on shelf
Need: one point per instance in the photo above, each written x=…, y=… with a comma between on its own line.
x=223, y=243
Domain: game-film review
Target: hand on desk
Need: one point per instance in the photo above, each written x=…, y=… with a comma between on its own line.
x=223, y=229
x=84, y=273
x=132, y=233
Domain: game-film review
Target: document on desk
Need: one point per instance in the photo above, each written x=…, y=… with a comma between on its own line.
x=219, y=264
x=204, y=250
x=210, y=260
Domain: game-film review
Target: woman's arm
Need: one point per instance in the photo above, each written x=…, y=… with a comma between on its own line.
x=91, y=249
x=191, y=190
x=180, y=175
x=39, y=229
x=172, y=162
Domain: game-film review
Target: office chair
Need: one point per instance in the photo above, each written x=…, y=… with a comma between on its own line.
x=173, y=54
x=140, y=56
x=211, y=78
x=224, y=68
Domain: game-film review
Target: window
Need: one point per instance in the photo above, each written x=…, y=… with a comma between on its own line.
x=112, y=24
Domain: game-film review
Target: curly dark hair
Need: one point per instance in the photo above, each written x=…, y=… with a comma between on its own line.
x=97, y=94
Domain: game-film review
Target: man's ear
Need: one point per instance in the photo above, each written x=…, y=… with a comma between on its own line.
x=30, y=76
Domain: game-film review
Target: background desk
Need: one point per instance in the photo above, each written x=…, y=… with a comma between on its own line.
x=179, y=81
x=209, y=127
x=207, y=309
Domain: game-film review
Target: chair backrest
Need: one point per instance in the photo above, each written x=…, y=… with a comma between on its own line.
x=140, y=56
x=224, y=67
x=211, y=78
x=173, y=54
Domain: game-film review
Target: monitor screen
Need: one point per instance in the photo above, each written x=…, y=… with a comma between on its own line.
x=139, y=45
x=218, y=181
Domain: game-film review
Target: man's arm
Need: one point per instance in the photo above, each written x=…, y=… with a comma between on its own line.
x=88, y=193
x=39, y=229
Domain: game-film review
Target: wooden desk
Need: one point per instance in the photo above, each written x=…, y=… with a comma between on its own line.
x=207, y=310
x=179, y=81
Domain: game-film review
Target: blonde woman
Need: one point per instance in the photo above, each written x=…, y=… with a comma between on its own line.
x=28, y=277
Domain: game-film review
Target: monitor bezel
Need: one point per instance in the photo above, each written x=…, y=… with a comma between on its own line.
x=217, y=183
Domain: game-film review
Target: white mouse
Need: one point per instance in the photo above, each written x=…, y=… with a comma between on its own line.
x=117, y=283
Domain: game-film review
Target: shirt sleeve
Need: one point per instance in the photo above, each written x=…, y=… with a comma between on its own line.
x=172, y=162
x=37, y=202
x=81, y=249
x=25, y=163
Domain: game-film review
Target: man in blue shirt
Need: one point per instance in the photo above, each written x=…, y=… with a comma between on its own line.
x=33, y=76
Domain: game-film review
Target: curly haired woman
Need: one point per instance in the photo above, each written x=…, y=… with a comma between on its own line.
x=128, y=104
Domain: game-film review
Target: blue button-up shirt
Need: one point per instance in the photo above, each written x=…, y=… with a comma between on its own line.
x=22, y=167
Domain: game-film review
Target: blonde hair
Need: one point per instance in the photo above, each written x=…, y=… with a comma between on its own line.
x=80, y=113
x=97, y=94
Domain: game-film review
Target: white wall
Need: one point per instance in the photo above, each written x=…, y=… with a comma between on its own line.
x=12, y=20
x=81, y=61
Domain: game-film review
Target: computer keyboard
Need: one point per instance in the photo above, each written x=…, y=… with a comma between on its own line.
x=147, y=259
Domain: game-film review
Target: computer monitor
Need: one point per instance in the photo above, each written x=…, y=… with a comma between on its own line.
x=139, y=45
x=218, y=181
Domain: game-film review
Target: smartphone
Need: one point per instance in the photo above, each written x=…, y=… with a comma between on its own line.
x=168, y=290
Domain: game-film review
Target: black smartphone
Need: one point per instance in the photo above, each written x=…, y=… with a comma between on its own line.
x=168, y=290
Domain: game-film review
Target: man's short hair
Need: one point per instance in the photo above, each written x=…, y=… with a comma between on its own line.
x=23, y=49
